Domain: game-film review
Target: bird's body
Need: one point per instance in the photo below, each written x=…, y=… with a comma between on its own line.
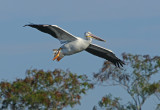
x=73, y=44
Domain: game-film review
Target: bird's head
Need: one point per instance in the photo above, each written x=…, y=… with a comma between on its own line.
x=89, y=35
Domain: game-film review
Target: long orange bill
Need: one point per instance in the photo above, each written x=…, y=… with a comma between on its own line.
x=97, y=38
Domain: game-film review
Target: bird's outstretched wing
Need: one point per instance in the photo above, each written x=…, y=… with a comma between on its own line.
x=104, y=53
x=54, y=31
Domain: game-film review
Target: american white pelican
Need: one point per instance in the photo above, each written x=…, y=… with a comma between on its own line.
x=73, y=44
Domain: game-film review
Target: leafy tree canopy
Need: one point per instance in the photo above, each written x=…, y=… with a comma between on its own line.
x=58, y=89
x=136, y=79
x=44, y=90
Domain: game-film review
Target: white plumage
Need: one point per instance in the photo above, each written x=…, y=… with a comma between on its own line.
x=73, y=44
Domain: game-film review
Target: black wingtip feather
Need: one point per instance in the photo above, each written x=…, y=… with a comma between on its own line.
x=29, y=25
x=119, y=63
x=43, y=28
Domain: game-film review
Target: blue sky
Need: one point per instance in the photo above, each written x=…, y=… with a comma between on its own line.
x=127, y=26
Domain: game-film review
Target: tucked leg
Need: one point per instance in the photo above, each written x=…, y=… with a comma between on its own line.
x=59, y=58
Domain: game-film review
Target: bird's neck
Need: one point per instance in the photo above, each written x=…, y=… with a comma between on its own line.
x=88, y=39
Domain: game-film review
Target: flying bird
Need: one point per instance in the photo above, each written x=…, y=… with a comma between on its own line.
x=73, y=44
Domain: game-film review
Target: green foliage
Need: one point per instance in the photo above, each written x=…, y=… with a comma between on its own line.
x=110, y=103
x=44, y=90
x=135, y=79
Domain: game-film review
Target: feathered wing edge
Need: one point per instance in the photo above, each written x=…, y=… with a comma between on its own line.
x=104, y=53
x=54, y=31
